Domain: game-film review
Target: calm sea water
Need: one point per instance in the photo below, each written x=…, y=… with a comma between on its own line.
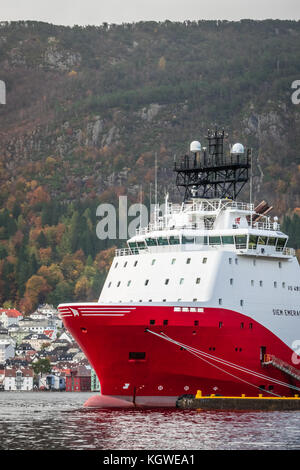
x=46, y=421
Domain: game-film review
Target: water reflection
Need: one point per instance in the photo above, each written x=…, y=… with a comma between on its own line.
x=59, y=421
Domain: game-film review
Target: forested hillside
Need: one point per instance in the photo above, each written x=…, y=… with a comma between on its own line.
x=88, y=108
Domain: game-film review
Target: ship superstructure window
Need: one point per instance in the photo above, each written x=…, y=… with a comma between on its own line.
x=188, y=260
x=173, y=261
x=279, y=264
x=262, y=240
x=196, y=322
x=153, y=262
x=125, y=264
x=174, y=240
x=252, y=282
x=198, y=280
x=220, y=301
x=272, y=241
x=146, y=282
x=116, y=265
x=231, y=281
x=204, y=260
x=109, y=284
x=163, y=241
x=181, y=280
x=252, y=242
x=151, y=241
x=281, y=244
x=283, y=285
x=165, y=322
x=275, y=284
x=128, y=283
x=118, y=283
x=236, y=261
x=201, y=240
x=230, y=260
x=186, y=240
x=215, y=240
x=241, y=241
x=241, y=303
x=135, y=263
x=167, y=282
x=261, y=283
x=141, y=245
x=228, y=240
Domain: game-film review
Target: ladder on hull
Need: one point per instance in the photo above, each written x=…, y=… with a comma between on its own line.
x=269, y=359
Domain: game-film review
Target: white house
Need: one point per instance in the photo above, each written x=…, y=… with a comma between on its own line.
x=18, y=379
x=9, y=316
x=7, y=348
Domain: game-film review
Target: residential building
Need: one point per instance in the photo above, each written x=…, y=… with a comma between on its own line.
x=8, y=316
x=7, y=348
x=95, y=384
x=18, y=379
x=78, y=380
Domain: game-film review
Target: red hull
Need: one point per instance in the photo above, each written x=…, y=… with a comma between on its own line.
x=163, y=371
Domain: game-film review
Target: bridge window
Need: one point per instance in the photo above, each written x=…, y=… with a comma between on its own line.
x=151, y=241
x=163, y=241
x=228, y=240
x=202, y=240
x=241, y=241
x=186, y=240
x=262, y=240
x=252, y=242
x=174, y=240
x=215, y=240
x=280, y=244
x=272, y=241
x=141, y=245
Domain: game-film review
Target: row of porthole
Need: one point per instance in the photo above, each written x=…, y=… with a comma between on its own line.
x=186, y=387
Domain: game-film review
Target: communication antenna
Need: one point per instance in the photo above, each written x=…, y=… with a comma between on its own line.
x=155, y=189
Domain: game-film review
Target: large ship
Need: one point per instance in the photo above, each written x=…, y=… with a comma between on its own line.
x=206, y=297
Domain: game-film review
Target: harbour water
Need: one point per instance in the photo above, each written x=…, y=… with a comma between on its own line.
x=53, y=420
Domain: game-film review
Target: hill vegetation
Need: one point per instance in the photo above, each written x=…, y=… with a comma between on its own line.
x=89, y=107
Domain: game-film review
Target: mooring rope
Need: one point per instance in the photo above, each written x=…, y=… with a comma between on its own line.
x=198, y=353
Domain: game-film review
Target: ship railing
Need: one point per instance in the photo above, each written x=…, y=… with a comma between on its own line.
x=129, y=251
x=266, y=226
x=156, y=227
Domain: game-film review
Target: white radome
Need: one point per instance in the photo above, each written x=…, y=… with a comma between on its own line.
x=195, y=146
x=237, y=148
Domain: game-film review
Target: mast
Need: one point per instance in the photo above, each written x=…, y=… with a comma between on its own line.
x=211, y=174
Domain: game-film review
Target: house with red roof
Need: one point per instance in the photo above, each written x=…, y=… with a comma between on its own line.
x=10, y=316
